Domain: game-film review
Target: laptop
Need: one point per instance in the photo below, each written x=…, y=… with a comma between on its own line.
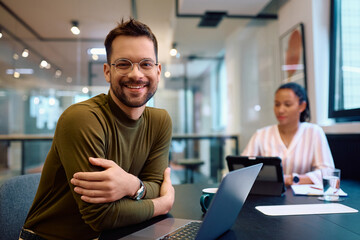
x=270, y=180
x=221, y=215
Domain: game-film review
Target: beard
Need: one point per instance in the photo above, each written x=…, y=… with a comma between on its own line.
x=130, y=100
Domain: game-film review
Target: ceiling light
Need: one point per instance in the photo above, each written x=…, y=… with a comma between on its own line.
x=85, y=90
x=95, y=57
x=1, y=33
x=20, y=70
x=97, y=51
x=69, y=79
x=52, y=101
x=43, y=64
x=75, y=27
x=25, y=53
x=16, y=74
x=58, y=73
x=167, y=74
x=15, y=56
x=173, y=50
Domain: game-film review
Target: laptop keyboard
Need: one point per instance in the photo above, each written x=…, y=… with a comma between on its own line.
x=187, y=231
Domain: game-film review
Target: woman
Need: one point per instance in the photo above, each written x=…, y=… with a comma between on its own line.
x=302, y=146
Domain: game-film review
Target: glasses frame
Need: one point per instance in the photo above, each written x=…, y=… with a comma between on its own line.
x=132, y=65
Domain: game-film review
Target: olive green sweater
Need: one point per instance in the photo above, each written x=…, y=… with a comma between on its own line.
x=99, y=128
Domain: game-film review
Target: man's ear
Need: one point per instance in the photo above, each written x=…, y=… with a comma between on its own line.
x=107, y=73
x=159, y=71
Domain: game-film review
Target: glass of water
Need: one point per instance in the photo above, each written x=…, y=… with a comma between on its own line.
x=331, y=184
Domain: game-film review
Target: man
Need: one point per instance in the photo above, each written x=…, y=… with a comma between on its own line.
x=81, y=193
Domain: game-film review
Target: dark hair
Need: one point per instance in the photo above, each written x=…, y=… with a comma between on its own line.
x=129, y=28
x=301, y=93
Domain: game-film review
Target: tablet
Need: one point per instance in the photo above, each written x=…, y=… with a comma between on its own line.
x=270, y=180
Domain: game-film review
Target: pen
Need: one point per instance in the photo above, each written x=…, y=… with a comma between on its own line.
x=316, y=188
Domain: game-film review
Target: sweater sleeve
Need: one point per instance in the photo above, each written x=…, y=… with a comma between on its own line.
x=80, y=134
x=158, y=159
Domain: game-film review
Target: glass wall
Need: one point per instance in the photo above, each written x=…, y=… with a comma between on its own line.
x=32, y=98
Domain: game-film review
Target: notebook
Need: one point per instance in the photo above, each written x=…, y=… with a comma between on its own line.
x=270, y=180
x=222, y=212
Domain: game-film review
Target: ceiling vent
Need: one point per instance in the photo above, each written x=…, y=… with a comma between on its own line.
x=211, y=19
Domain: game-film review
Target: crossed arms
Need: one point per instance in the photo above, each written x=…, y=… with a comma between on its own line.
x=114, y=183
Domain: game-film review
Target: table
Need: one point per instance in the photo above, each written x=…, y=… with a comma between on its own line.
x=22, y=138
x=252, y=224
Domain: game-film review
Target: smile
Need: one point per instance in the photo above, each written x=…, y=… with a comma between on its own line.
x=135, y=86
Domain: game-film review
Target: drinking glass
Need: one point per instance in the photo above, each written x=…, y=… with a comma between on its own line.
x=331, y=184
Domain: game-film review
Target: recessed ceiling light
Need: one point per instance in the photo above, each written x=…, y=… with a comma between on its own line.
x=25, y=53
x=75, y=27
x=167, y=74
x=58, y=73
x=16, y=74
x=95, y=57
x=43, y=64
x=173, y=50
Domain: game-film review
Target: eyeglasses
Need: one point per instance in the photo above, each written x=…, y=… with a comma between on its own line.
x=124, y=66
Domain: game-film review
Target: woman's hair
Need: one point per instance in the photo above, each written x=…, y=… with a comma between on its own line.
x=130, y=28
x=301, y=93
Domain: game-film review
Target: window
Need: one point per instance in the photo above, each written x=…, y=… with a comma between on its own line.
x=344, y=97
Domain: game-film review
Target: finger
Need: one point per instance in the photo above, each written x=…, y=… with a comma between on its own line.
x=167, y=174
x=91, y=185
x=95, y=200
x=90, y=176
x=104, y=163
x=90, y=193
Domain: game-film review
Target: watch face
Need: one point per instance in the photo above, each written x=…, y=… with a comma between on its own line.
x=140, y=193
x=296, y=179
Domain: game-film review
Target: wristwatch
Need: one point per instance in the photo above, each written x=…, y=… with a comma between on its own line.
x=295, y=178
x=140, y=193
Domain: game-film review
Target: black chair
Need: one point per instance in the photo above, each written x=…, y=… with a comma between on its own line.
x=16, y=197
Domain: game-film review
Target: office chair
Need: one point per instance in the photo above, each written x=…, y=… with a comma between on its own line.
x=16, y=197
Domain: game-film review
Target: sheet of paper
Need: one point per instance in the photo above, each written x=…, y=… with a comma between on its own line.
x=310, y=189
x=305, y=209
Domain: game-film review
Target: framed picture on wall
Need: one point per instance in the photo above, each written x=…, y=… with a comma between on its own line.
x=292, y=48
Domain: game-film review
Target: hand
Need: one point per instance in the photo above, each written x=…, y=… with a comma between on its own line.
x=164, y=203
x=105, y=186
x=288, y=179
x=304, y=179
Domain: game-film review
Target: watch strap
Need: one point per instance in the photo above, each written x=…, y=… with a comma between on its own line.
x=140, y=193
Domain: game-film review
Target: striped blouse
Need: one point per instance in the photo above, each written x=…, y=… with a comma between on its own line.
x=307, y=153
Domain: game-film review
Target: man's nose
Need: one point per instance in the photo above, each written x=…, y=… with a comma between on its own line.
x=135, y=71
